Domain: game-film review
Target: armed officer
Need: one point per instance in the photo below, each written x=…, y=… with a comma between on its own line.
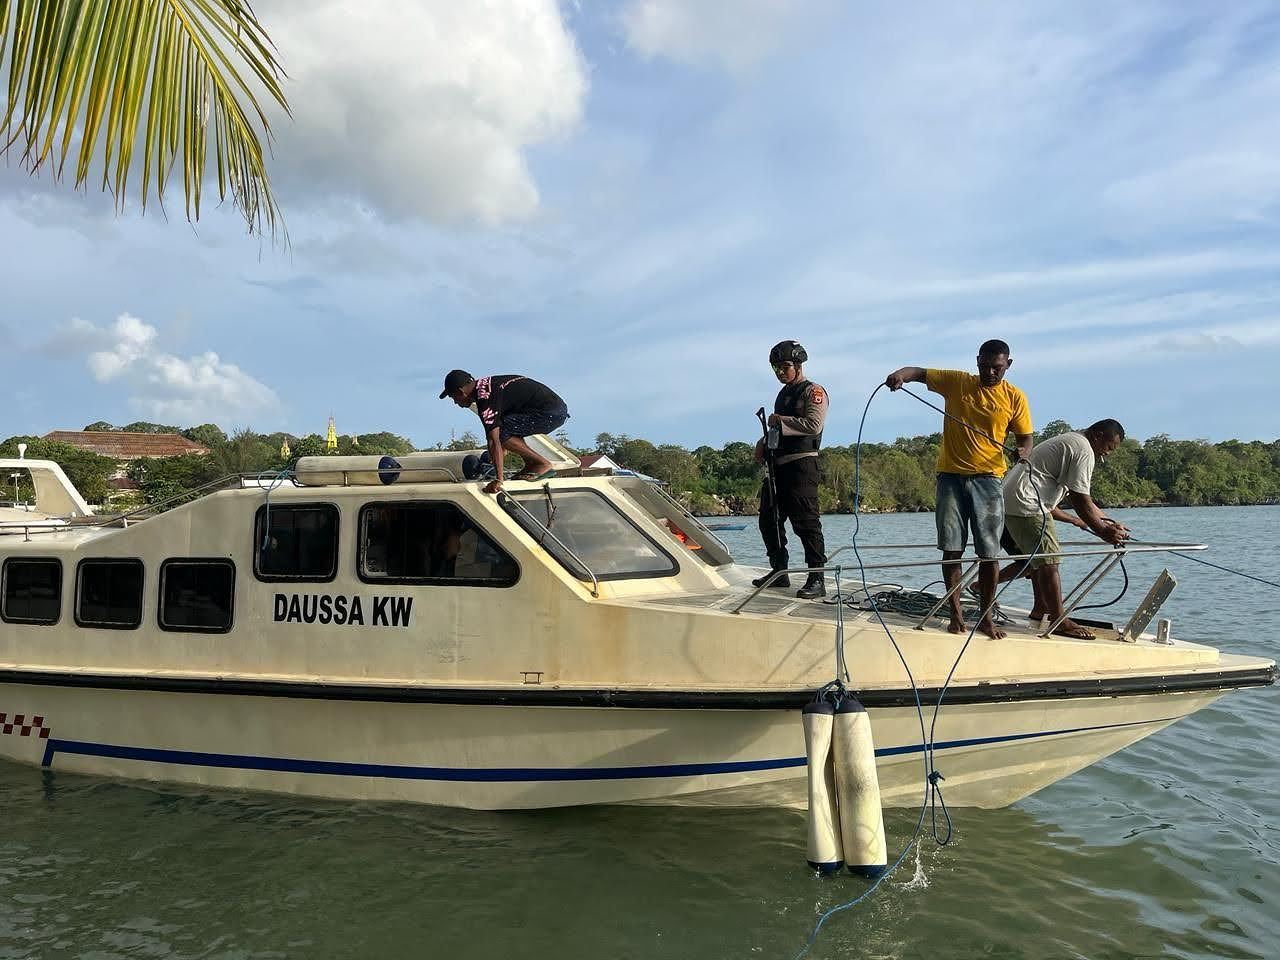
x=790, y=452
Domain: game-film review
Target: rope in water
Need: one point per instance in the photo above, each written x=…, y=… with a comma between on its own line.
x=932, y=776
x=908, y=599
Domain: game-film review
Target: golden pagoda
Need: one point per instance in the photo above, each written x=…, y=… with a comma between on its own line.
x=285, y=452
x=331, y=438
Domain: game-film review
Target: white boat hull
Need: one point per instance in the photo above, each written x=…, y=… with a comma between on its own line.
x=511, y=757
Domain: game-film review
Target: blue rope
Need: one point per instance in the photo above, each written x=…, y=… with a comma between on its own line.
x=932, y=776
x=1218, y=566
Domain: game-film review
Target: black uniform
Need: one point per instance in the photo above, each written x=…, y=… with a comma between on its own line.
x=803, y=409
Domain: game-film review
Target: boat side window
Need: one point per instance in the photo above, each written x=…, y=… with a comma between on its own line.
x=197, y=596
x=109, y=594
x=301, y=542
x=595, y=530
x=429, y=542
x=31, y=591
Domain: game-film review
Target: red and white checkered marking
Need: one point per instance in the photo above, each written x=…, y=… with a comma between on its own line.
x=23, y=726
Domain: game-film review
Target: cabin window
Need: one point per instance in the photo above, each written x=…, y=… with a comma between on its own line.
x=430, y=542
x=32, y=591
x=197, y=595
x=610, y=544
x=109, y=594
x=300, y=544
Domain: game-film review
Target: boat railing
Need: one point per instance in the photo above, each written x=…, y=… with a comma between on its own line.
x=1109, y=556
x=511, y=503
x=137, y=515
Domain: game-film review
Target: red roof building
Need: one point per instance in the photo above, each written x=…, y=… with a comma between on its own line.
x=120, y=445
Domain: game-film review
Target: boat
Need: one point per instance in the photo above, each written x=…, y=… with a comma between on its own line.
x=712, y=523
x=381, y=629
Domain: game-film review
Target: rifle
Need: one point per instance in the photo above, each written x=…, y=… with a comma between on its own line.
x=771, y=437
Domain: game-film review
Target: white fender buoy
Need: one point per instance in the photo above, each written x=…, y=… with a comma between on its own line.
x=858, y=791
x=825, y=852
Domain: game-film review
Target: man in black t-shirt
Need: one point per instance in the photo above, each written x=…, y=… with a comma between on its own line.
x=511, y=407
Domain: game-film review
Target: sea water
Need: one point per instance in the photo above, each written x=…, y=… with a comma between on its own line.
x=1167, y=849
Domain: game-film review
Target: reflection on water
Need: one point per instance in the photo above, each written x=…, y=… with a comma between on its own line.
x=1168, y=849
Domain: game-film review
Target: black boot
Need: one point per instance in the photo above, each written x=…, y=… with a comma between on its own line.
x=782, y=583
x=813, y=588
x=778, y=560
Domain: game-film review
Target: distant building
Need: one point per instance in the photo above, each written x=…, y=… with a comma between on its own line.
x=600, y=461
x=331, y=438
x=122, y=446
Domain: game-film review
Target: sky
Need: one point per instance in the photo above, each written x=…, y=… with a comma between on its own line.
x=632, y=201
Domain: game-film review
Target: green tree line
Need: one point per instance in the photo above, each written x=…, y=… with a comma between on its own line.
x=897, y=476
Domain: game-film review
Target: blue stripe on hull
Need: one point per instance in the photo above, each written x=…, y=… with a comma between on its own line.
x=504, y=775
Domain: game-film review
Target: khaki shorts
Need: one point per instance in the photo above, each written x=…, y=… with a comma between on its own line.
x=1025, y=532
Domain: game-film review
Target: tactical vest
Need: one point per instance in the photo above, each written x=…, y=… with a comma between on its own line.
x=790, y=403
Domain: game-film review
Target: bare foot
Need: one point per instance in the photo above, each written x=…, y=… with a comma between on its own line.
x=956, y=625
x=990, y=629
x=1036, y=614
x=1069, y=628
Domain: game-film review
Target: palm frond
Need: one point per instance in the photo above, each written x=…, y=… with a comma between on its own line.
x=93, y=78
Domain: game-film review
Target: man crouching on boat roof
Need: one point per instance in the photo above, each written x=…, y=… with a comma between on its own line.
x=1061, y=466
x=981, y=410
x=511, y=407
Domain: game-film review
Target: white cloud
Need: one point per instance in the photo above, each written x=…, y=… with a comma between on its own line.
x=734, y=35
x=163, y=386
x=133, y=340
x=423, y=110
x=1213, y=189
x=836, y=284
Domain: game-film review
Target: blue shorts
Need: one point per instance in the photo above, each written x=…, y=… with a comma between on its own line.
x=525, y=423
x=966, y=502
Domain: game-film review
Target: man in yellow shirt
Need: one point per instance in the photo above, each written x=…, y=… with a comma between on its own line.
x=971, y=464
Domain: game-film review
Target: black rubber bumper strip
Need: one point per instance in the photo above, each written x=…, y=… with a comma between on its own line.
x=550, y=696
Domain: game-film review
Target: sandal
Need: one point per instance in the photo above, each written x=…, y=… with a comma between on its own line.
x=530, y=475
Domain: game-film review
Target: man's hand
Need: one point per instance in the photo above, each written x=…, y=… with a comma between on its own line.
x=774, y=420
x=1116, y=534
x=493, y=486
x=894, y=381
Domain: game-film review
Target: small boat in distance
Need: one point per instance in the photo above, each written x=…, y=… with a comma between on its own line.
x=381, y=629
x=715, y=523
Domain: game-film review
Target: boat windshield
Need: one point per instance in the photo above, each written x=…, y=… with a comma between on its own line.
x=609, y=544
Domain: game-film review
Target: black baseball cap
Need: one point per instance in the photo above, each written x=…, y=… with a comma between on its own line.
x=453, y=380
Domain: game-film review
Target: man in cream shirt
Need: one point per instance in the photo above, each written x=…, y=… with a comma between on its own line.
x=1060, y=468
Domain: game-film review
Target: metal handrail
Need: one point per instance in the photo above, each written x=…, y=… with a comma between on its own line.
x=1109, y=551
x=1064, y=543
x=111, y=519
x=775, y=574
x=961, y=582
x=506, y=498
x=1083, y=589
x=1114, y=554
